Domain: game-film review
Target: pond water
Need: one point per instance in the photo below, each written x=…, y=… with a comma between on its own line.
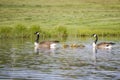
x=19, y=62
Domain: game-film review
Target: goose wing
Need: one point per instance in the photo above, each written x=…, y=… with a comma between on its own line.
x=46, y=44
x=105, y=44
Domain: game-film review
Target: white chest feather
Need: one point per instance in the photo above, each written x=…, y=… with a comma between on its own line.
x=36, y=49
x=53, y=45
x=36, y=44
x=94, y=45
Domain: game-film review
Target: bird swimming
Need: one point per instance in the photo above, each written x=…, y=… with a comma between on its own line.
x=102, y=45
x=73, y=46
x=44, y=44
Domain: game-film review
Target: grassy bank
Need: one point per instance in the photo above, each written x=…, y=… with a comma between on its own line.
x=59, y=17
x=22, y=31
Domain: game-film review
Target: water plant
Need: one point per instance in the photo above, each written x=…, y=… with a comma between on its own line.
x=32, y=29
x=5, y=32
x=61, y=31
x=20, y=31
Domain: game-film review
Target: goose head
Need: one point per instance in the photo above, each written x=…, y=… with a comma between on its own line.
x=36, y=33
x=37, y=38
x=94, y=35
x=94, y=43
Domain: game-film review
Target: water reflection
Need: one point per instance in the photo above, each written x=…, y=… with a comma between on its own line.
x=94, y=55
x=101, y=53
x=48, y=50
x=19, y=61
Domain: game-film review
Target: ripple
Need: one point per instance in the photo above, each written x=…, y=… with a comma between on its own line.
x=20, y=62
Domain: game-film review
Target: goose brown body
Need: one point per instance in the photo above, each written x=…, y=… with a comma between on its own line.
x=102, y=45
x=44, y=44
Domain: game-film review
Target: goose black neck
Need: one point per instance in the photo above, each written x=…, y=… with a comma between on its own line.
x=37, y=39
x=96, y=39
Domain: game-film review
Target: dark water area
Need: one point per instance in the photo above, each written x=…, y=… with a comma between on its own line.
x=18, y=61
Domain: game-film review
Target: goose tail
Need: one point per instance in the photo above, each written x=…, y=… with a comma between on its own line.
x=56, y=41
x=112, y=43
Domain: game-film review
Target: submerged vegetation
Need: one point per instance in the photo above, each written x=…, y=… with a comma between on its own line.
x=59, y=18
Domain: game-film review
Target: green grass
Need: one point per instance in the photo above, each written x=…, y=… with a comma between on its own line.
x=22, y=31
x=59, y=17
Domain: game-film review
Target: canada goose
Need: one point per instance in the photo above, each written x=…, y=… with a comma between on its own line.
x=65, y=45
x=102, y=45
x=81, y=46
x=73, y=46
x=77, y=46
x=44, y=44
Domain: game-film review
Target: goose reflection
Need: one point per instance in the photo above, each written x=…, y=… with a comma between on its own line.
x=94, y=55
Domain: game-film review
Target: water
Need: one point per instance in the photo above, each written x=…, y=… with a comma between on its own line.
x=19, y=62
